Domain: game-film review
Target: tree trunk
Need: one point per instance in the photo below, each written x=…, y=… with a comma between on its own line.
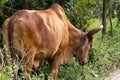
x=25, y=4
x=104, y=18
x=110, y=18
x=118, y=12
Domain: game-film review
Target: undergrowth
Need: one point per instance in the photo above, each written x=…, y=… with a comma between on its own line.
x=104, y=57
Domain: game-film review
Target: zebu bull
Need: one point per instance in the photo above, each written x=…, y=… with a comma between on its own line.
x=37, y=35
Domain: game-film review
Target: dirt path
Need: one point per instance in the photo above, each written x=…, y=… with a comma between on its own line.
x=115, y=75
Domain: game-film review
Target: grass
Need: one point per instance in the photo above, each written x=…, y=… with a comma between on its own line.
x=104, y=57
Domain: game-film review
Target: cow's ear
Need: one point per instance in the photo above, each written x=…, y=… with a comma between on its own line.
x=95, y=30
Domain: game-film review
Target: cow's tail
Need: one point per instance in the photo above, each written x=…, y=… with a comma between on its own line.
x=11, y=47
x=10, y=36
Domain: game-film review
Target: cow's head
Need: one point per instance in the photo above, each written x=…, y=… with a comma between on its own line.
x=85, y=45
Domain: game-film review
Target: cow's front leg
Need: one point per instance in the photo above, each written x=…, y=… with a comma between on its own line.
x=54, y=70
x=54, y=65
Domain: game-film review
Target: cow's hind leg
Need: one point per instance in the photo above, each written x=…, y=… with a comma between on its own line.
x=28, y=60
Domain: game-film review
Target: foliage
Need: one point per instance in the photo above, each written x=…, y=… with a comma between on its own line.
x=104, y=56
x=3, y=1
x=79, y=12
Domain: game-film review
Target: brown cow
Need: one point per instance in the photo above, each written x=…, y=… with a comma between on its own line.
x=35, y=35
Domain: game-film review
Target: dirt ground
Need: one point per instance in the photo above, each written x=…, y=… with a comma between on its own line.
x=115, y=75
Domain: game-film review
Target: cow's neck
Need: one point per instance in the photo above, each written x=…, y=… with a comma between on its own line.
x=75, y=36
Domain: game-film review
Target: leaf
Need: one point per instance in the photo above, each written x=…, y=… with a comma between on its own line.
x=3, y=1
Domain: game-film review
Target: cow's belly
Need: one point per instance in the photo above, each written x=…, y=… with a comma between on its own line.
x=46, y=52
x=48, y=48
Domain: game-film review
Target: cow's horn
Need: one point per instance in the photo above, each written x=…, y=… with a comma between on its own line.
x=95, y=30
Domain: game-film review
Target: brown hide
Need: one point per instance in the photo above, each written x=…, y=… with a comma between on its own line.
x=35, y=35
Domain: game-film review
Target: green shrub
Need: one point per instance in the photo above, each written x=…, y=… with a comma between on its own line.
x=104, y=57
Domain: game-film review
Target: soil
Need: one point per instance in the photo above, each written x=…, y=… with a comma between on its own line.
x=115, y=75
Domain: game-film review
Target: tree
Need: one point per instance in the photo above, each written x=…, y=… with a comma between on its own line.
x=118, y=12
x=79, y=12
x=25, y=4
x=104, y=17
x=110, y=18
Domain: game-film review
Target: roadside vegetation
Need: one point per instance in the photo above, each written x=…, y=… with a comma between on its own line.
x=104, y=55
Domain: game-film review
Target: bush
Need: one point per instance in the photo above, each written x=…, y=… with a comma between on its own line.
x=104, y=57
